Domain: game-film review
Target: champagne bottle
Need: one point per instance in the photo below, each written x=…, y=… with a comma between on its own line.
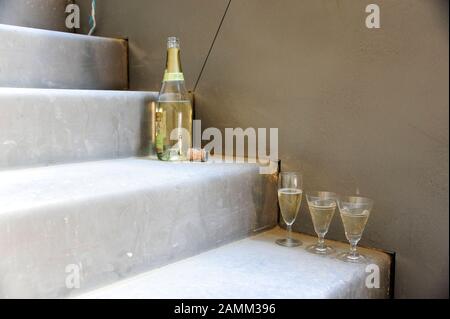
x=173, y=116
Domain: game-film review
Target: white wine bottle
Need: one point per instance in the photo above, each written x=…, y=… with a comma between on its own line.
x=173, y=116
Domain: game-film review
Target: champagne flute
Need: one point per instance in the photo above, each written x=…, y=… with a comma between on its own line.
x=355, y=211
x=322, y=206
x=289, y=197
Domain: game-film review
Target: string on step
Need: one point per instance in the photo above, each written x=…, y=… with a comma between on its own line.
x=92, y=20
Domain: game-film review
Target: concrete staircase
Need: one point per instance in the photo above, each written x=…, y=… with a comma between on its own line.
x=116, y=218
x=82, y=206
x=76, y=189
x=33, y=58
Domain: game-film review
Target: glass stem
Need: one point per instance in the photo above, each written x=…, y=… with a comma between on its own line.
x=289, y=232
x=321, y=242
x=353, y=250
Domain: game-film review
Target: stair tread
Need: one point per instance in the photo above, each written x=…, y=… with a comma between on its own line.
x=52, y=126
x=255, y=267
x=39, y=58
x=56, y=33
x=117, y=218
x=24, y=188
x=5, y=90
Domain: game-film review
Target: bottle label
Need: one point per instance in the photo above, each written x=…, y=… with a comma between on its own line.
x=173, y=76
x=159, y=144
x=160, y=131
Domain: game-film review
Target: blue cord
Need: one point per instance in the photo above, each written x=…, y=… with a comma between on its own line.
x=92, y=21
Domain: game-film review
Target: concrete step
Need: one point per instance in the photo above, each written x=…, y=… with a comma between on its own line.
x=107, y=220
x=34, y=58
x=41, y=14
x=46, y=126
x=257, y=268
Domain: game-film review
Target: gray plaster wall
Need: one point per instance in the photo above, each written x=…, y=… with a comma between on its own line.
x=358, y=110
x=40, y=14
x=147, y=24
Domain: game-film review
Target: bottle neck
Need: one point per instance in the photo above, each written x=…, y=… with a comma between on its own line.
x=173, y=70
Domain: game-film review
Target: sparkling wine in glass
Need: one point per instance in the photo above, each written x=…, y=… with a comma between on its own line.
x=355, y=211
x=322, y=206
x=289, y=197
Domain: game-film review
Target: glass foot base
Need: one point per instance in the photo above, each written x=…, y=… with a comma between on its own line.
x=288, y=242
x=320, y=250
x=352, y=258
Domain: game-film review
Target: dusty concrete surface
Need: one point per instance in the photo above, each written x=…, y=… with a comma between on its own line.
x=256, y=268
x=33, y=58
x=47, y=127
x=116, y=218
